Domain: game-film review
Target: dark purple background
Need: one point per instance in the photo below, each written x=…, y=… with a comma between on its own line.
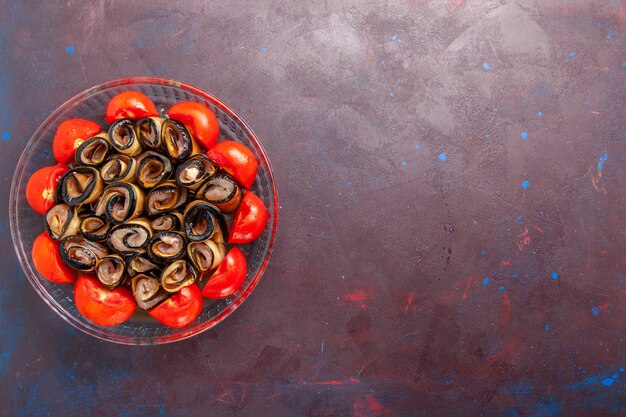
x=451, y=175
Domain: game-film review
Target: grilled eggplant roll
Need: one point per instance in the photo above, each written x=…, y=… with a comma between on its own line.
x=177, y=141
x=123, y=137
x=111, y=270
x=80, y=253
x=95, y=228
x=81, y=185
x=167, y=246
x=202, y=221
x=120, y=202
x=165, y=197
x=147, y=291
x=177, y=275
x=93, y=151
x=149, y=132
x=61, y=221
x=139, y=264
x=152, y=169
x=222, y=191
x=118, y=168
x=131, y=237
x=195, y=171
x=168, y=222
x=205, y=255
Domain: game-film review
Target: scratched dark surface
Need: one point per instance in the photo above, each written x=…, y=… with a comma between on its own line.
x=452, y=227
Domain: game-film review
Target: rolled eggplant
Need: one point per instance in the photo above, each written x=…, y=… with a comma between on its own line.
x=177, y=141
x=120, y=202
x=81, y=185
x=149, y=132
x=165, y=197
x=93, y=151
x=95, y=228
x=167, y=246
x=111, y=270
x=202, y=221
x=131, y=237
x=61, y=221
x=123, y=137
x=168, y=222
x=80, y=253
x=193, y=172
x=222, y=191
x=177, y=275
x=147, y=291
x=205, y=255
x=152, y=169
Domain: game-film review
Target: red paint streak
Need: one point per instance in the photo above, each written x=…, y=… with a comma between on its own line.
x=338, y=382
x=455, y=5
x=537, y=228
x=506, y=310
x=470, y=281
x=409, y=303
x=506, y=263
x=358, y=296
x=524, y=239
x=511, y=350
x=368, y=407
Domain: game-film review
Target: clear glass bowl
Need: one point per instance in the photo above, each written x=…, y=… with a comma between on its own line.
x=26, y=224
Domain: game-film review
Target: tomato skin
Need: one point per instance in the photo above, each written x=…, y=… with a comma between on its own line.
x=180, y=309
x=68, y=137
x=199, y=119
x=236, y=159
x=250, y=219
x=48, y=262
x=130, y=105
x=42, y=185
x=102, y=305
x=228, y=277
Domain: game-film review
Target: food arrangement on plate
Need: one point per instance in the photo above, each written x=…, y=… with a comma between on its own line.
x=147, y=212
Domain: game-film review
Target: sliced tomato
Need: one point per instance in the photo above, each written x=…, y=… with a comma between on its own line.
x=199, y=119
x=48, y=262
x=130, y=105
x=228, y=277
x=68, y=137
x=42, y=185
x=180, y=309
x=102, y=305
x=236, y=159
x=250, y=219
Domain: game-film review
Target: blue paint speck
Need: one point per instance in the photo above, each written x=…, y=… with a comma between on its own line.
x=442, y=157
x=486, y=281
x=382, y=62
x=607, y=382
x=6, y=136
x=483, y=252
x=524, y=135
x=486, y=66
x=501, y=288
x=572, y=54
x=602, y=159
x=263, y=50
x=595, y=311
x=394, y=38
x=349, y=183
x=392, y=94
x=514, y=275
x=525, y=185
x=623, y=64
x=417, y=147
x=554, y=275
x=519, y=218
x=403, y=164
x=621, y=369
x=547, y=327
x=539, y=113
x=69, y=49
x=487, y=135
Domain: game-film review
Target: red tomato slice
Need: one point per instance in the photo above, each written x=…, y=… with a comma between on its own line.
x=130, y=105
x=236, y=159
x=48, y=261
x=250, y=219
x=42, y=185
x=68, y=137
x=101, y=305
x=199, y=119
x=180, y=309
x=228, y=277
